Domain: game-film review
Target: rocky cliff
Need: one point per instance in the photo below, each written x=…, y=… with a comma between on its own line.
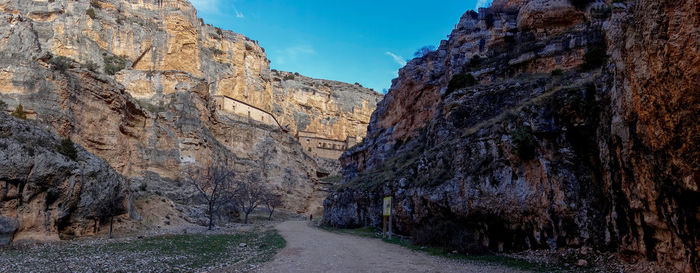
x=47, y=193
x=164, y=48
x=542, y=124
x=331, y=109
x=136, y=83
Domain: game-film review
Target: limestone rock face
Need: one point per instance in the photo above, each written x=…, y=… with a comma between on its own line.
x=43, y=193
x=160, y=113
x=331, y=109
x=602, y=156
x=167, y=49
x=548, y=14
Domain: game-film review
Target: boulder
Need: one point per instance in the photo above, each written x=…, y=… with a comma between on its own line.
x=8, y=226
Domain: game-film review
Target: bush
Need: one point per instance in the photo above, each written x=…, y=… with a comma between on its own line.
x=594, y=58
x=288, y=77
x=581, y=4
x=114, y=64
x=423, y=51
x=460, y=81
x=509, y=40
x=19, y=112
x=95, y=4
x=489, y=20
x=91, y=12
x=90, y=66
x=557, y=72
x=67, y=148
x=524, y=143
x=216, y=51
x=60, y=63
x=474, y=62
x=398, y=144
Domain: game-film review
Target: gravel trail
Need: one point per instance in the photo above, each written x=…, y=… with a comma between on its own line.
x=310, y=249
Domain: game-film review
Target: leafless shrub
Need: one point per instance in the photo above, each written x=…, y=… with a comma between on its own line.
x=112, y=206
x=250, y=194
x=214, y=183
x=272, y=201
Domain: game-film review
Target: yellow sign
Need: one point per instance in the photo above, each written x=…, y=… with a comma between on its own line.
x=387, y=206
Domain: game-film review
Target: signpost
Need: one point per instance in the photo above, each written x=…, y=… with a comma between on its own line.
x=386, y=216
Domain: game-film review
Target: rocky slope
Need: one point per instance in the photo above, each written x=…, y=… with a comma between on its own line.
x=158, y=114
x=581, y=131
x=46, y=194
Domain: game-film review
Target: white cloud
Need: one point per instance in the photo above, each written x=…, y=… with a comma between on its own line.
x=398, y=59
x=215, y=7
x=238, y=14
x=482, y=4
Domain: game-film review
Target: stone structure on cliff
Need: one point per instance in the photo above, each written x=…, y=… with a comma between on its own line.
x=581, y=131
x=139, y=84
x=249, y=112
x=319, y=146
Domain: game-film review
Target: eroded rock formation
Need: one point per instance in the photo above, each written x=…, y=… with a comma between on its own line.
x=581, y=131
x=46, y=194
x=158, y=112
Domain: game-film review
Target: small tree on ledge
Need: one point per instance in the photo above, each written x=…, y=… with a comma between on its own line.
x=19, y=112
x=67, y=148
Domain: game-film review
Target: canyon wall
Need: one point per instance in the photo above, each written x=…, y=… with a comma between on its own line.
x=48, y=192
x=580, y=131
x=137, y=82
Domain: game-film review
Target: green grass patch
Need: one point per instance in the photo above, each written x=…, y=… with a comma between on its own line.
x=332, y=179
x=169, y=253
x=114, y=64
x=511, y=262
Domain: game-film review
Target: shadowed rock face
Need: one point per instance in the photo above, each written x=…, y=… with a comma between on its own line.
x=8, y=226
x=46, y=195
x=604, y=157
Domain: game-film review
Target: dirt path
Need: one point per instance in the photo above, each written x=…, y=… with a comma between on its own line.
x=311, y=249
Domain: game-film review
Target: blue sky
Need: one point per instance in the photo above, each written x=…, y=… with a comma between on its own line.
x=364, y=41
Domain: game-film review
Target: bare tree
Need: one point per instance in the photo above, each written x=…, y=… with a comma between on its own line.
x=272, y=201
x=214, y=184
x=250, y=194
x=113, y=205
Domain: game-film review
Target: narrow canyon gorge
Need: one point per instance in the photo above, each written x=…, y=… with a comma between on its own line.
x=535, y=125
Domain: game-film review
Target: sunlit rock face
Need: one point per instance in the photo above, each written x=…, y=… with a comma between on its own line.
x=548, y=150
x=158, y=113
